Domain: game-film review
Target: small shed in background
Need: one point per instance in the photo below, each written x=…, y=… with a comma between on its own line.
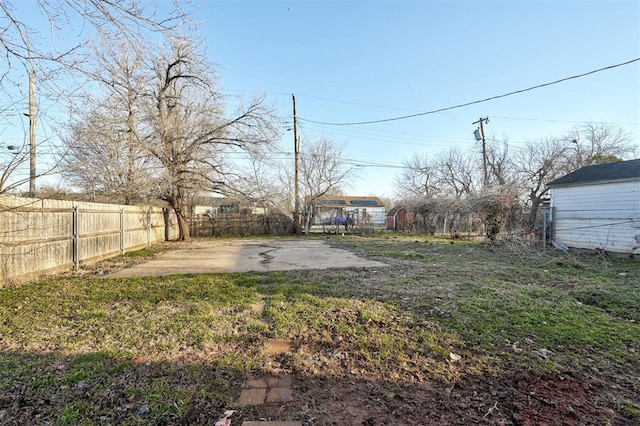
x=397, y=219
x=598, y=207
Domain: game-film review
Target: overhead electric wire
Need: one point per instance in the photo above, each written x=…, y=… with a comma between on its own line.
x=404, y=117
x=396, y=138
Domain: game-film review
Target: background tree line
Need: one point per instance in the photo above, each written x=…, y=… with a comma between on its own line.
x=451, y=183
x=149, y=123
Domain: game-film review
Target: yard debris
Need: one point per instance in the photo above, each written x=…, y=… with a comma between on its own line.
x=495, y=407
x=454, y=357
x=225, y=421
x=543, y=353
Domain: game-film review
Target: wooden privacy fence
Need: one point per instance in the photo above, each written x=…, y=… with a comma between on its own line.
x=237, y=224
x=39, y=236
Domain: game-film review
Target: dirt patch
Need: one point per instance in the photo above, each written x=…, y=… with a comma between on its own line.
x=517, y=398
x=545, y=399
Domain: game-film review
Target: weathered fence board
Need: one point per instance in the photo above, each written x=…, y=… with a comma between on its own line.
x=37, y=235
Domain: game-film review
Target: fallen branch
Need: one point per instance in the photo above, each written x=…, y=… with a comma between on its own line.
x=495, y=407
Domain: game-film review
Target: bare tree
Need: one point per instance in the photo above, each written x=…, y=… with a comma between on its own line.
x=161, y=124
x=457, y=174
x=102, y=162
x=190, y=133
x=255, y=178
x=23, y=43
x=323, y=171
x=593, y=143
x=542, y=161
x=104, y=155
x=418, y=177
x=57, y=58
x=500, y=164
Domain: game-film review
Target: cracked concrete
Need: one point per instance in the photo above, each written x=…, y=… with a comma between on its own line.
x=218, y=256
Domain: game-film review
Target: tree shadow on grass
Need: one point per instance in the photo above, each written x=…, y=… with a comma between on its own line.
x=194, y=387
x=97, y=388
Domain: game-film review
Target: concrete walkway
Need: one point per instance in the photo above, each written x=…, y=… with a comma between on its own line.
x=248, y=255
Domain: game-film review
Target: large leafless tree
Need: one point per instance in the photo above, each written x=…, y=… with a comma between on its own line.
x=57, y=54
x=541, y=161
x=538, y=163
x=166, y=127
x=104, y=155
x=190, y=130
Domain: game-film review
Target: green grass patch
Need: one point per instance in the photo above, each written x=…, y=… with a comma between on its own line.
x=491, y=313
x=147, y=251
x=175, y=349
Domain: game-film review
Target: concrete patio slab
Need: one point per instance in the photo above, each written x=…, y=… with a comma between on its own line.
x=246, y=256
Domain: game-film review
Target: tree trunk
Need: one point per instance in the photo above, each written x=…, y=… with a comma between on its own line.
x=533, y=213
x=184, y=233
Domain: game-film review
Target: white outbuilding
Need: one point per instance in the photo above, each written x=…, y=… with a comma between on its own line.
x=598, y=207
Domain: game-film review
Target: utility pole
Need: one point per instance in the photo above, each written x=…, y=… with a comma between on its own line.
x=479, y=134
x=32, y=134
x=296, y=152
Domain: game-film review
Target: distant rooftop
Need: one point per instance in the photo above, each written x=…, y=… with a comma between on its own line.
x=355, y=201
x=623, y=170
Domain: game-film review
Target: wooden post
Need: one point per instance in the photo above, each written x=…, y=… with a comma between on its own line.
x=122, y=224
x=32, y=134
x=148, y=226
x=296, y=151
x=76, y=236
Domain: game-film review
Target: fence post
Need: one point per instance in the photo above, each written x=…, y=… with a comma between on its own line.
x=148, y=226
x=121, y=230
x=167, y=224
x=76, y=236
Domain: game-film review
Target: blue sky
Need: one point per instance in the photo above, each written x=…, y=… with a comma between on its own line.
x=352, y=61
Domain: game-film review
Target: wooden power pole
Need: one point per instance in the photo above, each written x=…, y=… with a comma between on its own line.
x=32, y=134
x=296, y=152
x=484, y=145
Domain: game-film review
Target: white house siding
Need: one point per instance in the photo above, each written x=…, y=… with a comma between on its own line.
x=605, y=216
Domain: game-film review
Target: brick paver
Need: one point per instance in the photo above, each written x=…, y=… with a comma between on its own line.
x=253, y=396
x=260, y=390
x=279, y=381
x=257, y=383
x=280, y=394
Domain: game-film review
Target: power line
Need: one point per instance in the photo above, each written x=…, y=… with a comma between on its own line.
x=404, y=117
